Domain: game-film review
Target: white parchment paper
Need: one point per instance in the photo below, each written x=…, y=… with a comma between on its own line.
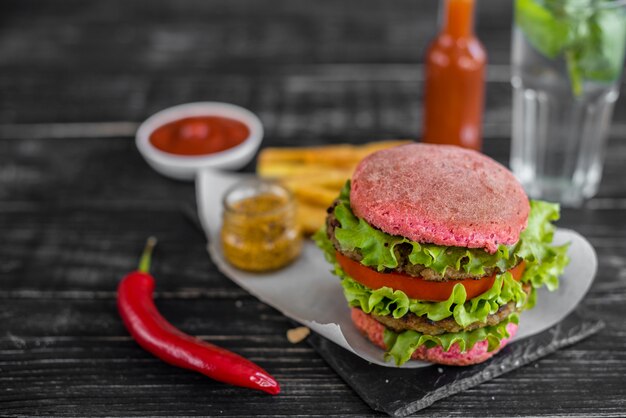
x=307, y=292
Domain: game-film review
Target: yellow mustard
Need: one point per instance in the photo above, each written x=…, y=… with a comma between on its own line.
x=259, y=230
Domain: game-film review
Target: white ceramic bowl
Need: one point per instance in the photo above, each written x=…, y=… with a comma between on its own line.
x=182, y=167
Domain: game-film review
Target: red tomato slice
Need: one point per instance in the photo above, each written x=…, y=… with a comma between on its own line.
x=416, y=287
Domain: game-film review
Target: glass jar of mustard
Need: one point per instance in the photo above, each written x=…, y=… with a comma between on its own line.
x=260, y=230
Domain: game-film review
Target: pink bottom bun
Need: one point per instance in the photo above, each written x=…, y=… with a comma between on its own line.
x=374, y=331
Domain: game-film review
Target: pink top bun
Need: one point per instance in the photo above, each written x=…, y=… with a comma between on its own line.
x=440, y=194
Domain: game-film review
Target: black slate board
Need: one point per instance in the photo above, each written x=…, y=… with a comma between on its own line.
x=400, y=392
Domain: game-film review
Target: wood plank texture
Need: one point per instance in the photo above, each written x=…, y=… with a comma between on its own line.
x=77, y=201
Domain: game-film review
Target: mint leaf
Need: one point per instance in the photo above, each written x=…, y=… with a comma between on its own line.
x=602, y=50
x=590, y=35
x=544, y=31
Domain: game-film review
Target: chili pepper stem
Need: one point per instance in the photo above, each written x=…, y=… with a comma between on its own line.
x=146, y=256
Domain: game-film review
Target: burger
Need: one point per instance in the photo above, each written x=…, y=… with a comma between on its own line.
x=438, y=250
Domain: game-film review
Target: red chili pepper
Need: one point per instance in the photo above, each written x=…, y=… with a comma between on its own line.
x=159, y=337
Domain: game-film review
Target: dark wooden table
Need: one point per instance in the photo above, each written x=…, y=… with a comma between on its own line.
x=77, y=201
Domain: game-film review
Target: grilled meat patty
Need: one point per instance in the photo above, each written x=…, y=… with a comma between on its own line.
x=426, y=326
x=402, y=254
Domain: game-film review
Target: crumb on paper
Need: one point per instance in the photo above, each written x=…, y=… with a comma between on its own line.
x=295, y=335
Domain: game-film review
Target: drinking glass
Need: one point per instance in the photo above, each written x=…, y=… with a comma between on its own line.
x=567, y=59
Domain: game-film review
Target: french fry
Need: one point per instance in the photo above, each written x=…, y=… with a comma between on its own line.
x=315, y=175
x=343, y=155
x=330, y=156
x=310, y=193
x=310, y=218
x=371, y=147
x=326, y=179
x=334, y=183
x=288, y=170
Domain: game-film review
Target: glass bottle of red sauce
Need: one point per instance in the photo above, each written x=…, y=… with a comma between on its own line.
x=455, y=80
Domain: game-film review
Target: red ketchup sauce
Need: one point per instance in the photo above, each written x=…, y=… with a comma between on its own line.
x=199, y=135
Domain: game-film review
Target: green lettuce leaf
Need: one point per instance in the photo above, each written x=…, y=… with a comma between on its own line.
x=544, y=263
x=386, y=301
x=378, y=248
x=401, y=346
